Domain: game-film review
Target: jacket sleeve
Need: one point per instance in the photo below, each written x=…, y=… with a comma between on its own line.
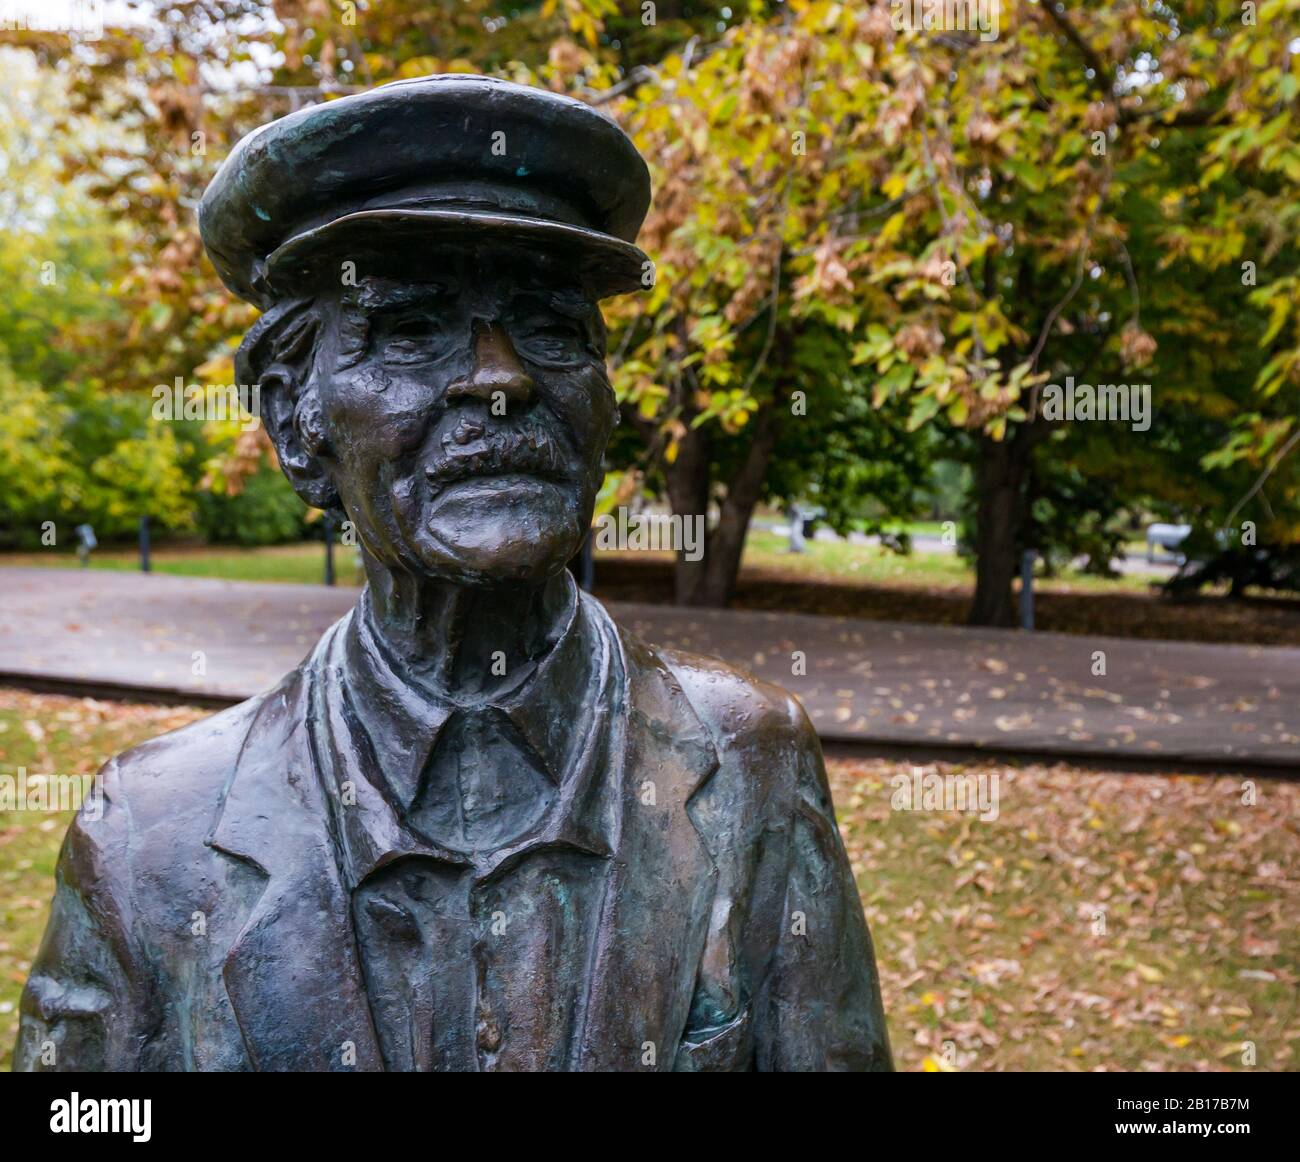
x=82, y=1007
x=820, y=1006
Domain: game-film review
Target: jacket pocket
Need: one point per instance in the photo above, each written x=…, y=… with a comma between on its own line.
x=725, y=1048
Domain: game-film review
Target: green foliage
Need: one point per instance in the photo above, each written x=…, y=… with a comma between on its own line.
x=858, y=462
x=143, y=474
x=72, y=456
x=265, y=512
x=33, y=459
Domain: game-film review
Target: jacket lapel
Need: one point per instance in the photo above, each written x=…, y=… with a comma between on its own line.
x=292, y=974
x=655, y=918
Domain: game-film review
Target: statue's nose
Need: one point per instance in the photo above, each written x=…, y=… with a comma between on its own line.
x=496, y=369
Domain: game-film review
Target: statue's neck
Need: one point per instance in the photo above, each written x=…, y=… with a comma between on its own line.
x=464, y=641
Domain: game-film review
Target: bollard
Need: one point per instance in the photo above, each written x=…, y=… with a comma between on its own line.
x=796, y=529
x=85, y=543
x=329, y=549
x=145, y=566
x=1027, y=589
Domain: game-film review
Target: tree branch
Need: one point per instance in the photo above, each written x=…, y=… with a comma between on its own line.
x=1263, y=476
x=1101, y=71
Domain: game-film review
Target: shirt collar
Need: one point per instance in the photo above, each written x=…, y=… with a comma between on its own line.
x=362, y=709
x=404, y=722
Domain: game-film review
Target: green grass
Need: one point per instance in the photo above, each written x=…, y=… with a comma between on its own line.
x=831, y=560
x=929, y=528
x=871, y=564
x=303, y=564
x=847, y=562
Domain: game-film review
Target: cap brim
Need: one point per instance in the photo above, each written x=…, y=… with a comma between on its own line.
x=390, y=240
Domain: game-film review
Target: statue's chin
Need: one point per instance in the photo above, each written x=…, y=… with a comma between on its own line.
x=499, y=530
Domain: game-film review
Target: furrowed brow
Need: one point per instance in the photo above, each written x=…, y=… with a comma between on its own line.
x=375, y=297
x=372, y=296
x=570, y=304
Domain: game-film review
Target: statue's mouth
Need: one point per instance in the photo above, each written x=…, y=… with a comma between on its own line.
x=475, y=448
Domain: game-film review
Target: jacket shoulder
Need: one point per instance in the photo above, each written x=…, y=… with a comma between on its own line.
x=740, y=710
x=153, y=805
x=769, y=754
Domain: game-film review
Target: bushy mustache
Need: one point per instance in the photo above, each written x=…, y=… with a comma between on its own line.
x=479, y=446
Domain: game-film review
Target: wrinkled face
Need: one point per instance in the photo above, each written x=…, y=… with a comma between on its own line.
x=464, y=417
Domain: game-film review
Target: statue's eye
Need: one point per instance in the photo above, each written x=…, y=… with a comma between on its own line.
x=552, y=341
x=412, y=339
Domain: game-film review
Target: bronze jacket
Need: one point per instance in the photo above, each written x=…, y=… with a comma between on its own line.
x=202, y=922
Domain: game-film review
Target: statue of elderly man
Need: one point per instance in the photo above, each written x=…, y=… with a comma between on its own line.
x=481, y=827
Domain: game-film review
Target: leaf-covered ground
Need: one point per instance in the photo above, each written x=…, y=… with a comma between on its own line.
x=51, y=734
x=1102, y=921
x=932, y=589
x=1140, y=922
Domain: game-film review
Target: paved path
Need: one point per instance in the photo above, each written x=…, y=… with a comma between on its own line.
x=885, y=683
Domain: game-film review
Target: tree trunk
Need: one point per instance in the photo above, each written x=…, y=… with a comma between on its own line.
x=1001, y=478
x=687, y=480
x=711, y=580
x=726, y=544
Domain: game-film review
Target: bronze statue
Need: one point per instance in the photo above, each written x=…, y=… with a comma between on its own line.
x=480, y=827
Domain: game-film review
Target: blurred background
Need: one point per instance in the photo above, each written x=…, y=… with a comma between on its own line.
x=884, y=233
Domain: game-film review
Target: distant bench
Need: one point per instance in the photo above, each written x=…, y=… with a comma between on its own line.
x=1167, y=537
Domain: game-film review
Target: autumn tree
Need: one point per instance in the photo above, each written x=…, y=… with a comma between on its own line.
x=976, y=218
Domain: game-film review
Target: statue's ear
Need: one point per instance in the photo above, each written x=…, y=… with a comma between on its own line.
x=291, y=413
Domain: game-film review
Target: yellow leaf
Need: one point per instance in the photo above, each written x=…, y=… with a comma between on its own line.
x=893, y=227
x=894, y=185
x=937, y=1065
x=219, y=369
